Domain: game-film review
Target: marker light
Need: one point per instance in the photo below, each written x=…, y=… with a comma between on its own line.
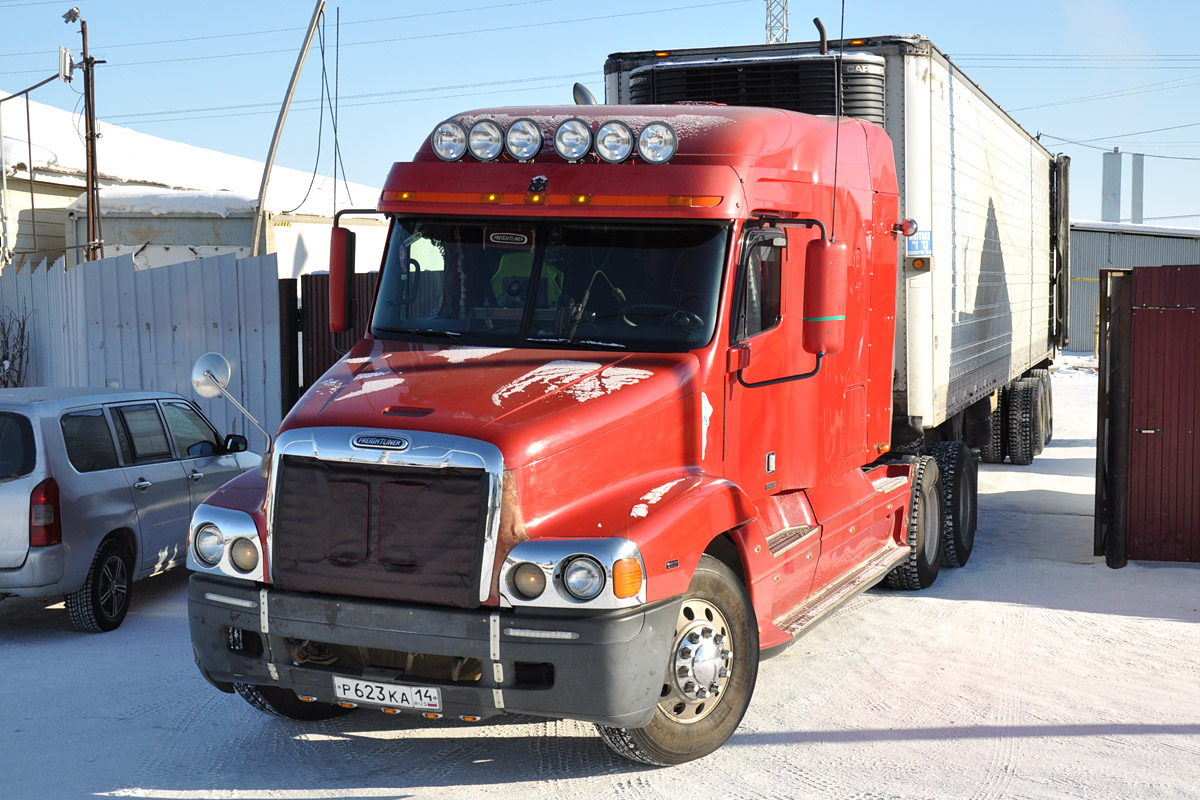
x=573, y=139
x=627, y=577
x=486, y=140
x=657, y=143
x=449, y=141
x=583, y=577
x=210, y=544
x=529, y=580
x=906, y=227
x=523, y=139
x=243, y=554
x=614, y=142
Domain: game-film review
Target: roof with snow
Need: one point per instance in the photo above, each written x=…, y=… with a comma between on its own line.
x=128, y=156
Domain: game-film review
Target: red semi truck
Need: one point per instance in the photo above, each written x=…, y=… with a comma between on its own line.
x=620, y=427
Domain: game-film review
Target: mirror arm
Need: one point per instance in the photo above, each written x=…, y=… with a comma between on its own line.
x=239, y=406
x=789, y=379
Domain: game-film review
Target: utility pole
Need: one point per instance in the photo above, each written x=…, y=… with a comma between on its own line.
x=777, y=21
x=95, y=244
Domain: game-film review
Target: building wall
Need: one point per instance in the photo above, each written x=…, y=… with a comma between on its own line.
x=46, y=208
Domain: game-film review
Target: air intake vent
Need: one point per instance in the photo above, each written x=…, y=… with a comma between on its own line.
x=806, y=83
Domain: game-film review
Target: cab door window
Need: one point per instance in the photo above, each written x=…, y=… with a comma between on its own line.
x=193, y=436
x=141, y=430
x=760, y=291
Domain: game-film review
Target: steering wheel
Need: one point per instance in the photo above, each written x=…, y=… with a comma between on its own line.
x=663, y=313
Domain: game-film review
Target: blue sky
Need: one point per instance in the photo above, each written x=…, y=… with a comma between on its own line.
x=213, y=74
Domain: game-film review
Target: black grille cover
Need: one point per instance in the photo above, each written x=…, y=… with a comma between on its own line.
x=804, y=83
x=392, y=533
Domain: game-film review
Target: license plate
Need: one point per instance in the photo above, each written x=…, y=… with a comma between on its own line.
x=395, y=695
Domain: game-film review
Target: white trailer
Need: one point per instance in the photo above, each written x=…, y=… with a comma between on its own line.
x=981, y=300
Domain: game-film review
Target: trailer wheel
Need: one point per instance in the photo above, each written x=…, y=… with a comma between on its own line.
x=280, y=702
x=993, y=451
x=1024, y=420
x=1043, y=375
x=920, y=569
x=100, y=605
x=709, y=678
x=960, y=501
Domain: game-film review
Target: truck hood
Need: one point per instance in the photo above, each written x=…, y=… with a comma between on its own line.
x=529, y=403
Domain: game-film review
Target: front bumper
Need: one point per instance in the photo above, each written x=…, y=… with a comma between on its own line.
x=606, y=668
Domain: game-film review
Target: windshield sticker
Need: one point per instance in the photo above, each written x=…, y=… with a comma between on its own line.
x=457, y=355
x=651, y=497
x=510, y=239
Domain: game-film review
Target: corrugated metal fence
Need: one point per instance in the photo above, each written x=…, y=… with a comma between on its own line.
x=1107, y=247
x=106, y=324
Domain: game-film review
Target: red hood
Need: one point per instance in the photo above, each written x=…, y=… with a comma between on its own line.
x=529, y=403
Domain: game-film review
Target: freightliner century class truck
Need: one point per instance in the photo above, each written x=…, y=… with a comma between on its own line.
x=648, y=389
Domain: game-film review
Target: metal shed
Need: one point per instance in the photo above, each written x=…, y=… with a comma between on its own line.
x=1117, y=245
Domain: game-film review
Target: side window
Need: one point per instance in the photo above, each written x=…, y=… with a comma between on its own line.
x=17, y=450
x=760, y=291
x=143, y=426
x=193, y=436
x=89, y=442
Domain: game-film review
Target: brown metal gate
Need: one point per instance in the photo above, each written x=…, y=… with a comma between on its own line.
x=1148, y=439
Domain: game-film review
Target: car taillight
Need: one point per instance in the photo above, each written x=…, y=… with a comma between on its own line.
x=45, y=522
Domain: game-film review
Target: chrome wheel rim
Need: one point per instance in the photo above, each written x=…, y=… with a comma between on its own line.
x=701, y=663
x=113, y=586
x=930, y=509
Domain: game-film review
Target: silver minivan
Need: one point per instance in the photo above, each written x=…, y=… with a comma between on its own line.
x=97, y=487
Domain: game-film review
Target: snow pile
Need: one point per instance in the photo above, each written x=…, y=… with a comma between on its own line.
x=152, y=200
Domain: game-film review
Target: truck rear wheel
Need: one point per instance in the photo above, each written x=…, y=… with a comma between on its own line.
x=280, y=702
x=920, y=569
x=960, y=501
x=1024, y=420
x=993, y=451
x=710, y=675
x=1043, y=375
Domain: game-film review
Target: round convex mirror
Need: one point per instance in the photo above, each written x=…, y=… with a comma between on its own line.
x=215, y=365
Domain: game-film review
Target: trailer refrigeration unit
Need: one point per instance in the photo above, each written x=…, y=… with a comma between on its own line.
x=623, y=420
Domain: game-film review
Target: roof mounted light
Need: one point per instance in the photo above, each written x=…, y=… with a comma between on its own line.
x=449, y=141
x=486, y=140
x=523, y=140
x=657, y=143
x=614, y=142
x=573, y=139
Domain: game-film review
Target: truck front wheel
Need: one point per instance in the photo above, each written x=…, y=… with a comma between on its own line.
x=710, y=674
x=284, y=703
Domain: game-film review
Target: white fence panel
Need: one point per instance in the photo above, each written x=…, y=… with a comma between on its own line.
x=107, y=324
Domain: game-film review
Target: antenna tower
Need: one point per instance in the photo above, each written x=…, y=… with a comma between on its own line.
x=777, y=21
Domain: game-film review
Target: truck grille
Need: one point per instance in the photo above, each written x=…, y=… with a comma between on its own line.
x=806, y=84
x=401, y=533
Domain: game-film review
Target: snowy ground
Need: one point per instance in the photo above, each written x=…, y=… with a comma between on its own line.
x=1033, y=672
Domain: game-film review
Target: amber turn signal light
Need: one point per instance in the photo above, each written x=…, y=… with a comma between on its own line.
x=627, y=577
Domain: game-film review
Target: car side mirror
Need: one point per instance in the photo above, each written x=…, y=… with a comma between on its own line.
x=826, y=295
x=236, y=443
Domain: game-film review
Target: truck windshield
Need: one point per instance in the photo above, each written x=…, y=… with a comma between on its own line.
x=591, y=285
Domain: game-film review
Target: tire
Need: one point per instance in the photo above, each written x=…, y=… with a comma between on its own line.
x=687, y=724
x=1043, y=375
x=993, y=451
x=920, y=569
x=284, y=703
x=100, y=605
x=1024, y=420
x=960, y=501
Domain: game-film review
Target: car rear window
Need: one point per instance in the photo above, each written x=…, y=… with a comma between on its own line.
x=17, y=450
x=89, y=442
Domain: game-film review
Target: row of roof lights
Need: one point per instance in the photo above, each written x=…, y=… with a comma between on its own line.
x=614, y=142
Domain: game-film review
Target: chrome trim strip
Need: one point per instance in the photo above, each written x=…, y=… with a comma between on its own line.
x=426, y=450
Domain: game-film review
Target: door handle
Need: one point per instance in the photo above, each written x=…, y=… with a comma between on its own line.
x=142, y=484
x=195, y=476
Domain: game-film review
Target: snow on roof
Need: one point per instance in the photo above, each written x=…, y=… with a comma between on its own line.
x=154, y=200
x=1130, y=227
x=127, y=155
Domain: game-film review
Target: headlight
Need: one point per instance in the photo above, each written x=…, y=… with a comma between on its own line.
x=210, y=544
x=573, y=139
x=583, y=577
x=486, y=140
x=614, y=142
x=523, y=139
x=529, y=580
x=243, y=554
x=657, y=143
x=449, y=141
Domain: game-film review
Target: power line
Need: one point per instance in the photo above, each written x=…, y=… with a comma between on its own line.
x=1127, y=92
x=1084, y=143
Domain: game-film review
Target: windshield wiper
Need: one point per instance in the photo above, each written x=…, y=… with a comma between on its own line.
x=431, y=332
x=579, y=344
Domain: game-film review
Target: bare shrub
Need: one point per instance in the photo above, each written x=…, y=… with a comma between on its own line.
x=14, y=346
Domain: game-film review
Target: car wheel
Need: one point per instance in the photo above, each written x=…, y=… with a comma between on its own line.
x=960, y=501
x=280, y=702
x=920, y=569
x=710, y=674
x=103, y=601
